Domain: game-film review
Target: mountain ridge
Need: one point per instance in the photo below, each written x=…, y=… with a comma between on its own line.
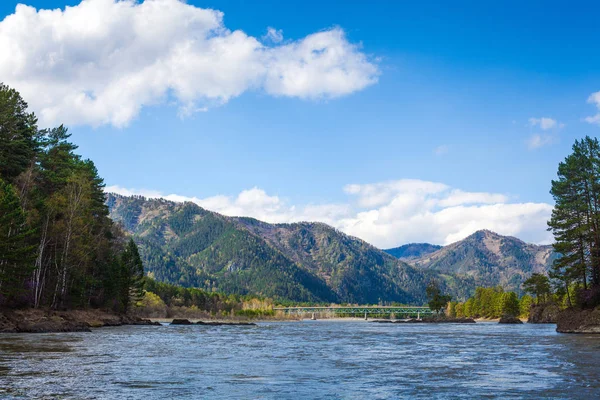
x=185, y=244
x=411, y=251
x=490, y=259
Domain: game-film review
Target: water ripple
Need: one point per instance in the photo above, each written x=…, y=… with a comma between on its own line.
x=310, y=359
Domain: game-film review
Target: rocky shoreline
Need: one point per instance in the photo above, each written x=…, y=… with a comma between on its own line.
x=426, y=321
x=180, y=321
x=508, y=319
x=46, y=321
x=543, y=313
x=579, y=321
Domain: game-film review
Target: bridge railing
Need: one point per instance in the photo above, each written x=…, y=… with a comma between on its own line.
x=399, y=311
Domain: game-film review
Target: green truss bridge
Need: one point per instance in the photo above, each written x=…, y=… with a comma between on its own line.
x=357, y=311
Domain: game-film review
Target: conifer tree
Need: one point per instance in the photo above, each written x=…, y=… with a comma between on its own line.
x=575, y=220
x=132, y=277
x=16, y=252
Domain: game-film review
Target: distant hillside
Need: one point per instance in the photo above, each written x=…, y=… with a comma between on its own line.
x=185, y=244
x=412, y=251
x=490, y=259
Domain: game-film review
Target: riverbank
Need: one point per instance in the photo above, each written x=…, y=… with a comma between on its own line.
x=426, y=321
x=579, y=321
x=45, y=320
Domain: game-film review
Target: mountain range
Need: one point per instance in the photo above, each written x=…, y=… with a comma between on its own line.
x=489, y=258
x=184, y=244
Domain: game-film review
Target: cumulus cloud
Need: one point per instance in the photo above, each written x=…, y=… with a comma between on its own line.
x=594, y=99
x=101, y=61
x=391, y=213
x=273, y=35
x=536, y=141
x=545, y=123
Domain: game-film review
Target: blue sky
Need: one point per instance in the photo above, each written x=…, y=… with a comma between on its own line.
x=456, y=98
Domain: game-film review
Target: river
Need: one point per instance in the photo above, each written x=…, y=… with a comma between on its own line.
x=302, y=360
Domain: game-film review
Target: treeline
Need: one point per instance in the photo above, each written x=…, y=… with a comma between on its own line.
x=575, y=223
x=58, y=247
x=494, y=302
x=166, y=300
x=491, y=303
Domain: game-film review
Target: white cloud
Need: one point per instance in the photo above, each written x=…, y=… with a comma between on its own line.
x=457, y=197
x=594, y=99
x=101, y=61
x=441, y=150
x=545, y=123
x=273, y=35
x=536, y=141
x=392, y=213
x=375, y=194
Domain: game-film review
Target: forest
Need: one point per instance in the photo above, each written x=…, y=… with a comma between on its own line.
x=58, y=246
x=575, y=224
x=164, y=300
x=60, y=249
x=491, y=303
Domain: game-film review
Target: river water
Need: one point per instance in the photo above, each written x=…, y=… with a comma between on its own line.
x=302, y=360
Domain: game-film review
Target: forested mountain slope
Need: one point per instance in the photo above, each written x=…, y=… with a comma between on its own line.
x=490, y=259
x=412, y=251
x=184, y=244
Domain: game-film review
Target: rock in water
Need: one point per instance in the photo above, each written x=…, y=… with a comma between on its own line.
x=181, y=321
x=509, y=319
x=543, y=314
x=578, y=321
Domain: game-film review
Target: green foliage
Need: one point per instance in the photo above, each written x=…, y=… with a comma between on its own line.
x=451, y=311
x=16, y=252
x=492, y=302
x=539, y=286
x=19, y=136
x=58, y=247
x=413, y=251
x=575, y=223
x=215, y=303
x=186, y=245
x=525, y=306
x=510, y=304
x=131, y=276
x=487, y=259
x=437, y=300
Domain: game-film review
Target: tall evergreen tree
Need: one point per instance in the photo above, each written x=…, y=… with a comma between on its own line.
x=437, y=300
x=575, y=220
x=19, y=136
x=132, y=276
x=16, y=251
x=58, y=246
x=539, y=286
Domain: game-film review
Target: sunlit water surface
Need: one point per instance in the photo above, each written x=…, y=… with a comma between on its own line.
x=309, y=359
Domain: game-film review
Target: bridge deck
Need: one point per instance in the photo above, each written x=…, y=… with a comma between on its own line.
x=399, y=310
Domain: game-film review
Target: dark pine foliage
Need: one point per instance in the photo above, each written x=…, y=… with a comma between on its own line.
x=58, y=246
x=575, y=223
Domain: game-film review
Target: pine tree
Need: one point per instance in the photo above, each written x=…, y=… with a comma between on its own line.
x=132, y=277
x=16, y=252
x=539, y=286
x=19, y=136
x=575, y=220
x=437, y=300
